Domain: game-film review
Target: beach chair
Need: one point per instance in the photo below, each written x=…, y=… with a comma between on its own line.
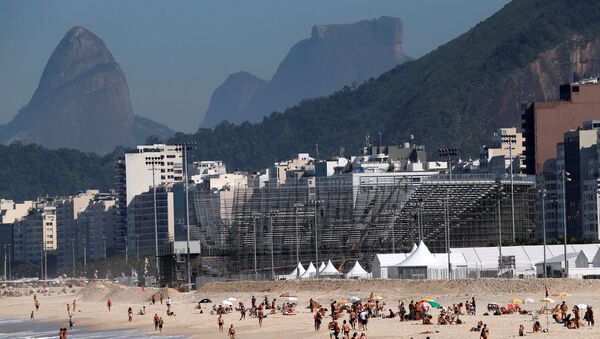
x=542, y=310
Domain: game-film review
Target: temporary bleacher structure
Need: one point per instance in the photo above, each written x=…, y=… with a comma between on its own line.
x=357, y=272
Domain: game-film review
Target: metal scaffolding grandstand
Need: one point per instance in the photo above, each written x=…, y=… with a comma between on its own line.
x=356, y=215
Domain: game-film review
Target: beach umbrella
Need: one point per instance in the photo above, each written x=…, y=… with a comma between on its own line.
x=560, y=294
x=292, y=299
x=426, y=305
x=582, y=306
x=287, y=295
x=434, y=303
x=376, y=298
x=547, y=300
x=354, y=298
x=427, y=299
x=205, y=301
x=528, y=300
x=227, y=302
x=231, y=299
x=516, y=301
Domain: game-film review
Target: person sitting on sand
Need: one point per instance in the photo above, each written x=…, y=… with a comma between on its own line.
x=478, y=327
x=427, y=320
x=521, y=330
x=537, y=327
x=142, y=310
x=485, y=332
x=363, y=335
x=441, y=319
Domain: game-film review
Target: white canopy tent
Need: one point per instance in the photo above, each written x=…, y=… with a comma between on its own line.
x=383, y=262
x=421, y=264
x=413, y=249
x=357, y=272
x=310, y=272
x=321, y=267
x=294, y=274
x=329, y=269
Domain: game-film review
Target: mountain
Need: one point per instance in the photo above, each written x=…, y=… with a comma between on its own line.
x=334, y=56
x=454, y=96
x=82, y=101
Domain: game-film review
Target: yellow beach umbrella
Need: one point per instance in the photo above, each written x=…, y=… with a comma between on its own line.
x=427, y=299
x=560, y=294
x=376, y=298
x=516, y=301
x=547, y=300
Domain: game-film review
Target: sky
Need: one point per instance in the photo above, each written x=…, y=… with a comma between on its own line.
x=175, y=53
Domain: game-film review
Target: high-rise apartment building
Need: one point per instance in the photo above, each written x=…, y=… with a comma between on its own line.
x=544, y=123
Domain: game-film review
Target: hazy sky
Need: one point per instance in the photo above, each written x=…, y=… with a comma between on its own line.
x=175, y=53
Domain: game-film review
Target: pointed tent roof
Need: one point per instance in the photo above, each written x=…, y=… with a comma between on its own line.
x=321, y=267
x=295, y=271
x=329, y=269
x=421, y=258
x=357, y=271
x=311, y=270
x=413, y=249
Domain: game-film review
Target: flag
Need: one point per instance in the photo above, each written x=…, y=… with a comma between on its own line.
x=143, y=289
x=546, y=287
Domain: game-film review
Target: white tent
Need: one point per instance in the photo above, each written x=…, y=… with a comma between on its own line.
x=294, y=273
x=413, y=249
x=383, y=262
x=321, y=267
x=357, y=272
x=421, y=265
x=329, y=269
x=310, y=272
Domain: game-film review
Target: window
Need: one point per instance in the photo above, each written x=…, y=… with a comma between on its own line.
x=171, y=156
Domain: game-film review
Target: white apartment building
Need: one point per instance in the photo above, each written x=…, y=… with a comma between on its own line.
x=207, y=169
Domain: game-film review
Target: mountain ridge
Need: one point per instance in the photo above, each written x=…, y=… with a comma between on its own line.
x=333, y=56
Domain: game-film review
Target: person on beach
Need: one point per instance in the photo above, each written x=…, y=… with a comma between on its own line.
x=31, y=317
x=220, y=322
x=521, y=330
x=537, y=327
x=363, y=335
x=242, y=311
x=577, y=316
x=563, y=310
x=37, y=305
x=108, y=304
x=346, y=329
x=253, y=301
x=168, y=303
x=311, y=305
x=160, y=324
x=318, y=319
x=589, y=316
x=231, y=332
x=260, y=314
x=153, y=299
x=161, y=299
x=130, y=314
x=485, y=332
x=473, y=306
x=69, y=309
x=156, y=320
x=74, y=305
x=71, y=322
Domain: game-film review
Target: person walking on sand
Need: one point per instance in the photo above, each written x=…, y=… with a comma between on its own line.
x=161, y=298
x=74, y=305
x=68, y=309
x=71, y=323
x=260, y=313
x=37, y=305
x=108, y=304
x=130, y=314
x=160, y=324
x=156, y=320
x=31, y=317
x=153, y=299
x=231, y=332
x=318, y=319
x=220, y=322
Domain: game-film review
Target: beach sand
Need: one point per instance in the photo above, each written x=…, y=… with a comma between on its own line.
x=93, y=314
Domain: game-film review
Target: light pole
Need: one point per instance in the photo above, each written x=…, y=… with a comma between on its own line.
x=126, y=249
x=9, y=261
x=84, y=259
x=5, y=264
x=104, y=247
x=448, y=154
x=542, y=194
x=447, y=217
x=255, y=261
x=511, y=139
x=185, y=147
x=564, y=176
x=499, y=196
x=296, y=207
x=317, y=202
x=153, y=161
x=271, y=214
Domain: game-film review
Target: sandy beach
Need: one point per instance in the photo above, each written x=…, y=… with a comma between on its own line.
x=92, y=313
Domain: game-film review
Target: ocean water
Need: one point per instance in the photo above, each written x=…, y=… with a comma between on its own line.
x=40, y=329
